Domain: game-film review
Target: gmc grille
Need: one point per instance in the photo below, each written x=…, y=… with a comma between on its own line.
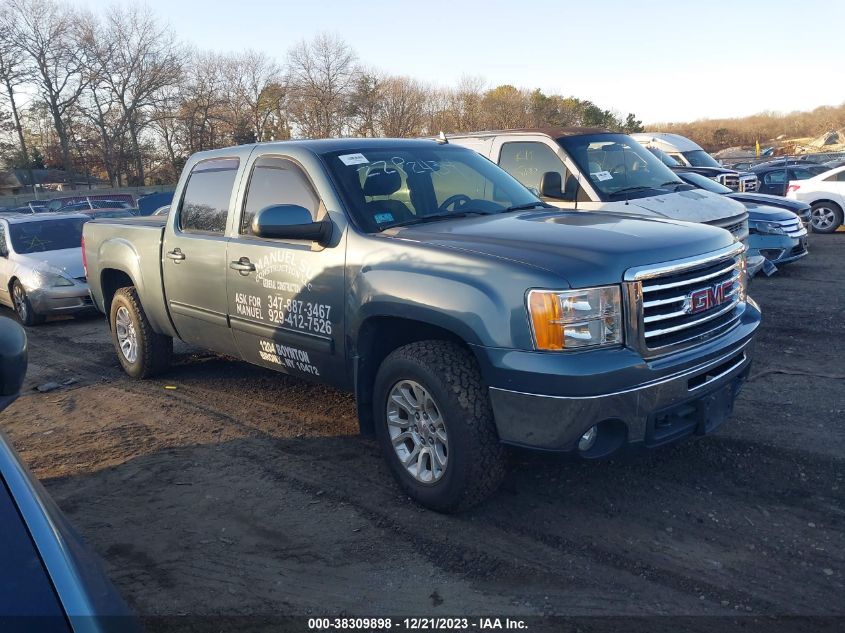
x=681, y=304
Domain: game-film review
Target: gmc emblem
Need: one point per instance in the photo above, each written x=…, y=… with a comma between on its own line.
x=707, y=298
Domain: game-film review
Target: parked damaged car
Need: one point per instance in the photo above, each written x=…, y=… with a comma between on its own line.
x=41, y=271
x=774, y=231
x=464, y=312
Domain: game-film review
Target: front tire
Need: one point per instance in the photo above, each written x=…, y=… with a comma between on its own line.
x=142, y=352
x=23, y=307
x=435, y=426
x=825, y=217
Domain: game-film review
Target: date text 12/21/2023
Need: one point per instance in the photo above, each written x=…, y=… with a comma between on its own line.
x=417, y=624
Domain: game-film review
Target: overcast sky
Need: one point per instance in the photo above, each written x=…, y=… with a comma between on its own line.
x=665, y=61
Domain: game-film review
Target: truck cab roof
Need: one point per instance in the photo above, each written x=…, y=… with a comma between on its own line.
x=552, y=132
x=666, y=139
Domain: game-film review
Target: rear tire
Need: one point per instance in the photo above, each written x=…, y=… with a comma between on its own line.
x=23, y=307
x=433, y=413
x=825, y=217
x=142, y=352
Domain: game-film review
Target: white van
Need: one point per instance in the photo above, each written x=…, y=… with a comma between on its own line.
x=593, y=169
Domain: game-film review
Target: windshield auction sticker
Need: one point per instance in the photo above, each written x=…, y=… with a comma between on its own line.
x=353, y=159
x=602, y=175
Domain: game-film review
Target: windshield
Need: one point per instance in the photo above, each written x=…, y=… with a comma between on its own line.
x=618, y=166
x=664, y=157
x=386, y=187
x=46, y=235
x=700, y=158
x=703, y=182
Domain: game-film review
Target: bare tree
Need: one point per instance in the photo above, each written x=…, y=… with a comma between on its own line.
x=402, y=108
x=467, y=104
x=364, y=103
x=256, y=93
x=45, y=30
x=321, y=79
x=134, y=58
x=14, y=71
x=202, y=110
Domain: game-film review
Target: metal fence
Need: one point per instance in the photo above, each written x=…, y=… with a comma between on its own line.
x=22, y=198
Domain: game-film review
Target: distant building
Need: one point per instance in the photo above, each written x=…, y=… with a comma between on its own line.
x=16, y=181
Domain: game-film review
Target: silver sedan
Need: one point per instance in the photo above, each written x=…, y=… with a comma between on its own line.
x=41, y=271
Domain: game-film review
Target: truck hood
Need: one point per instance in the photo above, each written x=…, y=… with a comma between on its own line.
x=693, y=205
x=67, y=261
x=584, y=248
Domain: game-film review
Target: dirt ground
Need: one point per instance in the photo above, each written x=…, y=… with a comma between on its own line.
x=242, y=491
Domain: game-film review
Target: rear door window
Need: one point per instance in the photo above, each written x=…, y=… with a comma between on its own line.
x=205, y=204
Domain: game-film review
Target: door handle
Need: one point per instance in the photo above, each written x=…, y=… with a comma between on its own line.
x=176, y=255
x=242, y=265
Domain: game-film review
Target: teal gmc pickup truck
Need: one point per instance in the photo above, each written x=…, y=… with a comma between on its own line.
x=464, y=313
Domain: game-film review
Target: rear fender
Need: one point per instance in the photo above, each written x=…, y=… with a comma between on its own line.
x=121, y=255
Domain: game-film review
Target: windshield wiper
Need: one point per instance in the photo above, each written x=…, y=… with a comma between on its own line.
x=676, y=185
x=527, y=205
x=629, y=189
x=438, y=216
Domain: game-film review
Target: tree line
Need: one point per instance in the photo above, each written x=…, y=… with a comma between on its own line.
x=117, y=95
x=767, y=127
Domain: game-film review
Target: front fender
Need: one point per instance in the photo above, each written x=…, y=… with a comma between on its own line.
x=482, y=310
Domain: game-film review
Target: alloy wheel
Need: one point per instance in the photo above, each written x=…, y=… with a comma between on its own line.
x=127, y=338
x=19, y=299
x=417, y=431
x=823, y=218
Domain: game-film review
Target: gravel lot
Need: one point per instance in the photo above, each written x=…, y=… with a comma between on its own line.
x=242, y=491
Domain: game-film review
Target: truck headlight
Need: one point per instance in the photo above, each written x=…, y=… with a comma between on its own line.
x=769, y=228
x=571, y=319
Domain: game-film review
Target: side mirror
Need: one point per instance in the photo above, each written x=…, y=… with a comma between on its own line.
x=290, y=222
x=13, y=359
x=551, y=186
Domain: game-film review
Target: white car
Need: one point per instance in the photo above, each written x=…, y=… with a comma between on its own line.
x=41, y=269
x=826, y=194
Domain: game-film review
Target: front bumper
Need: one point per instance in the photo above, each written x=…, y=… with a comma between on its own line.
x=59, y=300
x=656, y=401
x=778, y=249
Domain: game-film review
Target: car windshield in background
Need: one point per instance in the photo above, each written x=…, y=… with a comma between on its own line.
x=387, y=187
x=700, y=158
x=618, y=166
x=703, y=182
x=664, y=157
x=46, y=235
